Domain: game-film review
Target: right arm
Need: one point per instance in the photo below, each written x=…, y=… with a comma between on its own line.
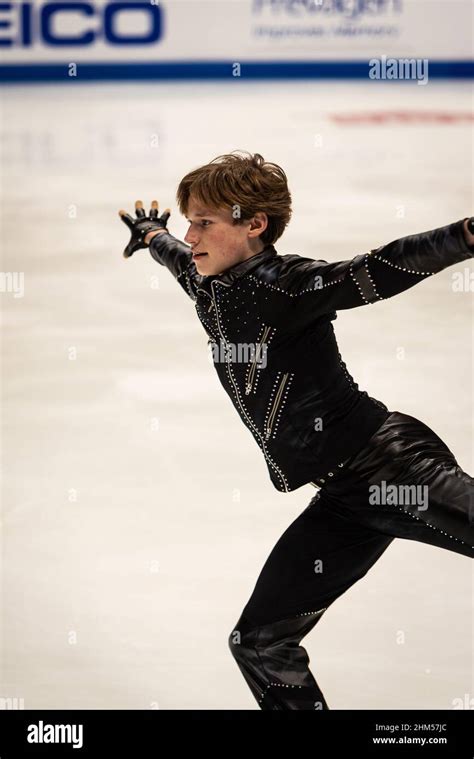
x=177, y=257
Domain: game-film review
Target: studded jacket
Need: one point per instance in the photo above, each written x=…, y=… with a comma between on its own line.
x=268, y=322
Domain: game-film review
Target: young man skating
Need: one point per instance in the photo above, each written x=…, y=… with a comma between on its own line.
x=380, y=474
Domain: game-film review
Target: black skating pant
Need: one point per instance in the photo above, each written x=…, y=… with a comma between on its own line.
x=404, y=483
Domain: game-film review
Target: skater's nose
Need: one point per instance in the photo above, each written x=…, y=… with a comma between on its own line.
x=190, y=237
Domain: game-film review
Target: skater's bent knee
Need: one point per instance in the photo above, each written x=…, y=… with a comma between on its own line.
x=242, y=637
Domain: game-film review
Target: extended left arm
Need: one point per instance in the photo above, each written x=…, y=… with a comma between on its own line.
x=397, y=266
x=309, y=288
x=361, y=282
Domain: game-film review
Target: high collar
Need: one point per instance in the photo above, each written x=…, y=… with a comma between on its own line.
x=233, y=273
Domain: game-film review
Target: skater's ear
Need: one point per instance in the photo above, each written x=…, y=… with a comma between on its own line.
x=258, y=224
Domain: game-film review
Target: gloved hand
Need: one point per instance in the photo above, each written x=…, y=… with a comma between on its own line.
x=143, y=224
x=468, y=226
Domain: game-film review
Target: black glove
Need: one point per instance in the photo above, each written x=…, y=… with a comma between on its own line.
x=143, y=224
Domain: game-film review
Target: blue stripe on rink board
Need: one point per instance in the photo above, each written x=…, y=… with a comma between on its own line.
x=216, y=70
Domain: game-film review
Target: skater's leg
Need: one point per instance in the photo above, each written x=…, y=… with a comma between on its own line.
x=316, y=559
x=347, y=526
x=407, y=483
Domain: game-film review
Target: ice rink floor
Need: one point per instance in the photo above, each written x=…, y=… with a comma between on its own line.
x=136, y=508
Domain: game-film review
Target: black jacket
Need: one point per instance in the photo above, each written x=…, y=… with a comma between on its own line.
x=295, y=394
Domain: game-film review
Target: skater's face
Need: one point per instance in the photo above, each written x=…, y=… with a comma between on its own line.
x=221, y=243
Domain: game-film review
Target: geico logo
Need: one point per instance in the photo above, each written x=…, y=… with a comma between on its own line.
x=25, y=24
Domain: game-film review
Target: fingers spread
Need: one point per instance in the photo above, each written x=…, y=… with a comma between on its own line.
x=127, y=219
x=139, y=210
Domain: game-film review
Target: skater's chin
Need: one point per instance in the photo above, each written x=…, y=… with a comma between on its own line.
x=204, y=265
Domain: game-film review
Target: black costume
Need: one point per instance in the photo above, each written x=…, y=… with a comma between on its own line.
x=314, y=425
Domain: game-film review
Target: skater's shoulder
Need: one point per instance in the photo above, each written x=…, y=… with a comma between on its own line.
x=294, y=261
x=288, y=271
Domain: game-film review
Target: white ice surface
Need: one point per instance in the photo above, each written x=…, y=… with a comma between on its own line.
x=137, y=509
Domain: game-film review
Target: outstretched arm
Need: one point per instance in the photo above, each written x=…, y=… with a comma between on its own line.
x=151, y=231
x=318, y=287
x=177, y=257
x=401, y=264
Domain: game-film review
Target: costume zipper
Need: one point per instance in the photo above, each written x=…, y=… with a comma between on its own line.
x=251, y=377
x=200, y=290
x=276, y=403
x=236, y=389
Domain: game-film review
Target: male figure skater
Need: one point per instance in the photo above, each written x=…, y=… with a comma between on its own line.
x=379, y=474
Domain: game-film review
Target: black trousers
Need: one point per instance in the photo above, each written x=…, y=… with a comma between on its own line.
x=405, y=483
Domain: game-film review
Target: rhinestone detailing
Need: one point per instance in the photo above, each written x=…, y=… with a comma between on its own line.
x=321, y=480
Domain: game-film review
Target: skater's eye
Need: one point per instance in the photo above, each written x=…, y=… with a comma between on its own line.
x=204, y=222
